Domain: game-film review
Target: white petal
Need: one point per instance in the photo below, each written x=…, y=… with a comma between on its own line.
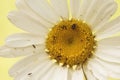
x=93, y=6
x=69, y=74
x=60, y=73
x=23, y=64
x=75, y=8
x=113, y=69
x=98, y=71
x=33, y=72
x=112, y=42
x=25, y=22
x=48, y=74
x=115, y=75
x=24, y=40
x=107, y=57
x=109, y=49
x=41, y=70
x=28, y=64
x=44, y=10
x=100, y=11
x=9, y=52
x=113, y=52
x=22, y=6
x=78, y=74
x=61, y=7
x=89, y=74
x=85, y=4
x=109, y=29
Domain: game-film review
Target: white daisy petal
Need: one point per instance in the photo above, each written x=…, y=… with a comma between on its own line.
x=78, y=74
x=108, y=29
x=108, y=49
x=37, y=69
x=75, y=8
x=41, y=70
x=27, y=23
x=48, y=74
x=98, y=71
x=28, y=64
x=9, y=52
x=113, y=52
x=107, y=57
x=112, y=42
x=93, y=6
x=115, y=75
x=22, y=6
x=69, y=74
x=113, y=69
x=44, y=10
x=89, y=74
x=60, y=73
x=61, y=7
x=23, y=40
x=83, y=8
x=100, y=11
x=19, y=66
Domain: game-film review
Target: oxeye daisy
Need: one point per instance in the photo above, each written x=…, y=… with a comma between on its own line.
x=64, y=40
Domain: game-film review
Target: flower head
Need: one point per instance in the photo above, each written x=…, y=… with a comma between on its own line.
x=65, y=40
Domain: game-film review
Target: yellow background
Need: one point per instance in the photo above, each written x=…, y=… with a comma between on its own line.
x=6, y=28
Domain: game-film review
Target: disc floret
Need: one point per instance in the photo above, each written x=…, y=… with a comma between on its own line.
x=70, y=42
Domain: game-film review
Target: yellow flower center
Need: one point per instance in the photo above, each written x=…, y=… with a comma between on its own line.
x=70, y=42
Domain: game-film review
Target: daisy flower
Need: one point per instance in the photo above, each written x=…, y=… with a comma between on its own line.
x=64, y=40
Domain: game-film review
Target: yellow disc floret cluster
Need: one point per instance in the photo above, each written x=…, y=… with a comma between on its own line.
x=70, y=42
